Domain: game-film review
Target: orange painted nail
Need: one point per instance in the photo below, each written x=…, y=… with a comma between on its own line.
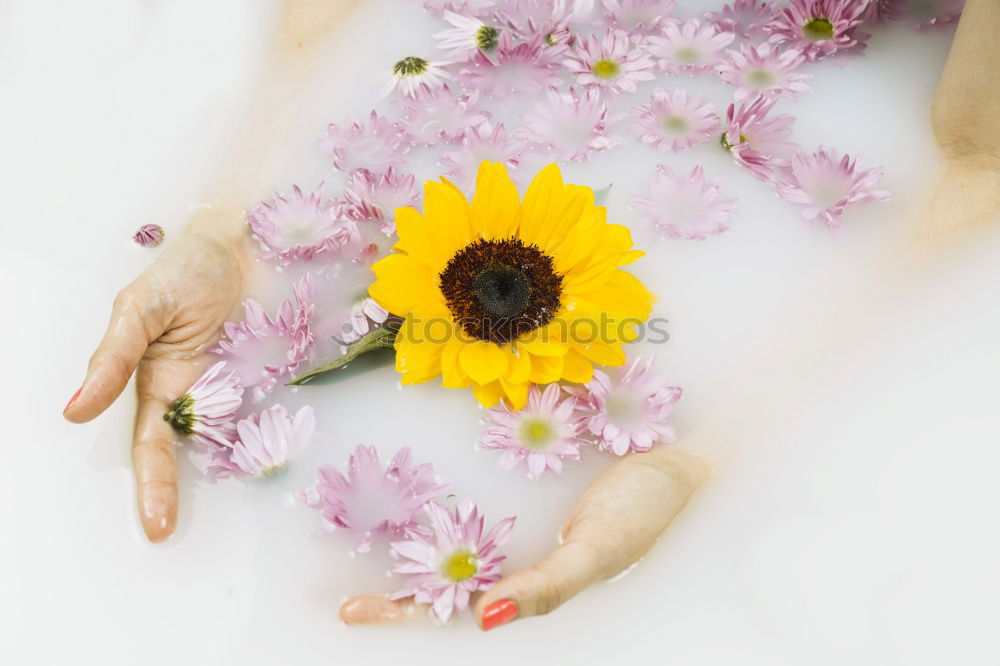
x=498, y=613
x=73, y=399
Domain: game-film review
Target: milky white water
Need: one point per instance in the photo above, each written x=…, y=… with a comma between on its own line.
x=842, y=384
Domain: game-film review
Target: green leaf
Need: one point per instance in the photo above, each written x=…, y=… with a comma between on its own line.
x=380, y=338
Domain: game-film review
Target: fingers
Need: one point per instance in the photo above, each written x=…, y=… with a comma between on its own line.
x=154, y=459
x=616, y=521
x=133, y=326
x=370, y=609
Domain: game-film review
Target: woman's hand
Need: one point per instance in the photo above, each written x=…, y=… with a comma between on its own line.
x=615, y=522
x=160, y=326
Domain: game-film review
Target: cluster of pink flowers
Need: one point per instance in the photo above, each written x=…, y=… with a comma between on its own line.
x=624, y=409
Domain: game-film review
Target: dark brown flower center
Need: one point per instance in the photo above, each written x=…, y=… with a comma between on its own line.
x=498, y=290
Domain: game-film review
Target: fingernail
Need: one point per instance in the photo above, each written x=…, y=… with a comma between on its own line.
x=73, y=399
x=498, y=613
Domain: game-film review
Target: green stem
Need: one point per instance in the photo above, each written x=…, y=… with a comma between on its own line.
x=380, y=338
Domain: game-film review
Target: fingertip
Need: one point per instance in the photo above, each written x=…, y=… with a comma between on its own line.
x=371, y=609
x=158, y=510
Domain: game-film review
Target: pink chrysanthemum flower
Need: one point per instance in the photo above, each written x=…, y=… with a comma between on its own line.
x=612, y=62
x=763, y=70
x=371, y=500
x=528, y=67
x=689, y=47
x=627, y=410
x=539, y=435
x=485, y=142
x=571, y=125
x=438, y=116
x=148, y=235
x=206, y=412
x=818, y=27
x=468, y=37
x=457, y=560
x=374, y=145
x=757, y=141
x=746, y=18
x=528, y=19
x=684, y=207
x=376, y=198
x=672, y=121
x=930, y=13
x=880, y=12
x=637, y=16
x=267, y=442
x=826, y=183
x=261, y=350
x=300, y=226
x=411, y=73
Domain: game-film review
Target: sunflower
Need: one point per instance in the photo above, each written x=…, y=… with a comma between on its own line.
x=499, y=293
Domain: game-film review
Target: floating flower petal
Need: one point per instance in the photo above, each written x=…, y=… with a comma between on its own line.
x=826, y=183
x=375, y=198
x=539, y=435
x=757, y=141
x=637, y=16
x=684, y=207
x=689, y=47
x=524, y=68
x=627, y=409
x=371, y=500
x=438, y=116
x=611, y=62
x=746, y=18
x=672, y=121
x=765, y=70
x=458, y=559
x=207, y=411
x=487, y=142
x=374, y=145
x=149, y=235
x=570, y=125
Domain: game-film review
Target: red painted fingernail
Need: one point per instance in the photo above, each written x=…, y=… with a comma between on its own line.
x=499, y=612
x=73, y=399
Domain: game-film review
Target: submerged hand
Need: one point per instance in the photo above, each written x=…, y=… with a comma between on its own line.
x=615, y=522
x=160, y=325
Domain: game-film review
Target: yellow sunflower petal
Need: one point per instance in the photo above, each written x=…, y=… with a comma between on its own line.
x=417, y=361
x=444, y=228
x=402, y=284
x=549, y=340
x=602, y=353
x=516, y=394
x=545, y=369
x=631, y=256
x=452, y=375
x=576, y=368
x=551, y=209
x=518, y=366
x=496, y=204
x=487, y=394
x=482, y=361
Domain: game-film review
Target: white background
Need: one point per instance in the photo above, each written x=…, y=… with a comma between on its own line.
x=843, y=385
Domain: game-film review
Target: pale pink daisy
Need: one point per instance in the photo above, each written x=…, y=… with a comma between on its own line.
x=539, y=435
x=528, y=19
x=931, y=13
x=439, y=116
x=612, y=62
x=746, y=18
x=826, y=183
x=374, y=145
x=486, y=142
x=148, y=235
x=300, y=226
x=524, y=68
x=755, y=139
x=370, y=197
x=570, y=124
x=879, y=12
x=445, y=568
x=684, y=206
x=207, y=411
x=627, y=408
x=689, y=47
x=411, y=73
x=372, y=500
x=636, y=16
x=672, y=121
x=468, y=36
x=260, y=350
x=266, y=443
x=819, y=28
x=763, y=70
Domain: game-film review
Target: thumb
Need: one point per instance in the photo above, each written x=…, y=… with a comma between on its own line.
x=617, y=520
